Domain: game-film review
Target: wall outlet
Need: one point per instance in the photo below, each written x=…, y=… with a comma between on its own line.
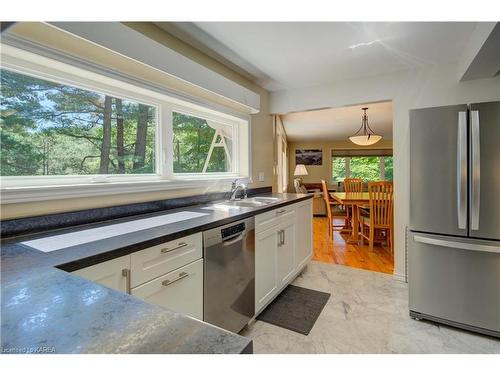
x=261, y=176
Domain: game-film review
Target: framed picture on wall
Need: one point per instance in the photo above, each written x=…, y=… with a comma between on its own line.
x=309, y=157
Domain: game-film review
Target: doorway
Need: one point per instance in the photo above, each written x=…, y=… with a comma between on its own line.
x=327, y=131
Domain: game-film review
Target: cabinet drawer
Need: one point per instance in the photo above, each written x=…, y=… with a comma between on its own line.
x=158, y=260
x=180, y=290
x=269, y=219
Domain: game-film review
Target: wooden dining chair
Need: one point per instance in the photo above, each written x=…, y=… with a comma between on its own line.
x=381, y=215
x=352, y=185
x=330, y=206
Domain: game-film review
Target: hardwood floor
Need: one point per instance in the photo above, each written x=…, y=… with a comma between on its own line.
x=338, y=251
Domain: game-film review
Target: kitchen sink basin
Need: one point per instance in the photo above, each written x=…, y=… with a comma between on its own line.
x=242, y=203
x=252, y=202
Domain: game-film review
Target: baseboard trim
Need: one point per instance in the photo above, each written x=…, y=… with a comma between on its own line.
x=399, y=277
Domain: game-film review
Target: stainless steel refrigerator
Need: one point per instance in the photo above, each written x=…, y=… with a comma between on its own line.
x=454, y=238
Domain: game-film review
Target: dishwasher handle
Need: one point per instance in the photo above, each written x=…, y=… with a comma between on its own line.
x=230, y=240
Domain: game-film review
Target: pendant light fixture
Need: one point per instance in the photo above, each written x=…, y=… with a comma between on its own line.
x=365, y=136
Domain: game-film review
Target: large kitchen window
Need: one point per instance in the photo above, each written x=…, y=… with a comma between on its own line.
x=65, y=126
x=369, y=165
x=55, y=129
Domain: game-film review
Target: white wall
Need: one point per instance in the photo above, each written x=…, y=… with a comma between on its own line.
x=429, y=87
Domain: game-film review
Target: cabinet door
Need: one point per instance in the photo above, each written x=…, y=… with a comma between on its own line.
x=285, y=252
x=108, y=273
x=180, y=290
x=303, y=235
x=266, y=283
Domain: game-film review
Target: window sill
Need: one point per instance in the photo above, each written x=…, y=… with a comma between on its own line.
x=53, y=192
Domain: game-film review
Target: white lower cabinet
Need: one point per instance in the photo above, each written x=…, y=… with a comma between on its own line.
x=171, y=274
x=113, y=273
x=303, y=233
x=286, y=252
x=283, y=246
x=158, y=260
x=180, y=290
x=266, y=255
x=168, y=275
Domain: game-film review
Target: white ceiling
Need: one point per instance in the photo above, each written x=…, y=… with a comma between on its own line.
x=287, y=55
x=337, y=123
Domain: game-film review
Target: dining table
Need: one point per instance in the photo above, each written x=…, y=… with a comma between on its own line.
x=355, y=200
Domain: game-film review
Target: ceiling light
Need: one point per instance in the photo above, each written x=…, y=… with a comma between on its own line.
x=364, y=44
x=365, y=136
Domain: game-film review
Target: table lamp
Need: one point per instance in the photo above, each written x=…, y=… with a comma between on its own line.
x=300, y=170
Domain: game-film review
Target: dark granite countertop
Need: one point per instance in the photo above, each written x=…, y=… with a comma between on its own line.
x=46, y=309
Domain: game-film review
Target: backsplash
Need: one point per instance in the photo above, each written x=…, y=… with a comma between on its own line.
x=43, y=223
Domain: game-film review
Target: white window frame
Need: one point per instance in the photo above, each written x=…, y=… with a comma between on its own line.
x=235, y=165
x=34, y=188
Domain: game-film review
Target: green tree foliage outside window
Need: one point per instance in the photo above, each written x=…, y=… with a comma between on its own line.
x=192, y=139
x=49, y=128
x=389, y=168
x=365, y=167
x=338, y=169
x=368, y=168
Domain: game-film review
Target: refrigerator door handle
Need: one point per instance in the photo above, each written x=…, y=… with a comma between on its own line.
x=462, y=170
x=475, y=170
x=457, y=245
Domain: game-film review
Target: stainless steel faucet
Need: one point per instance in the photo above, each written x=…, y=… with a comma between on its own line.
x=235, y=187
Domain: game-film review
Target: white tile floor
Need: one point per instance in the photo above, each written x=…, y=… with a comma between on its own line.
x=366, y=313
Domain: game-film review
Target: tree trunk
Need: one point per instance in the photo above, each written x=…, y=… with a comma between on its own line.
x=120, y=149
x=45, y=157
x=140, y=139
x=106, y=137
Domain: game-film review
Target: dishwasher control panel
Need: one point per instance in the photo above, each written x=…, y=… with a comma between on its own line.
x=230, y=231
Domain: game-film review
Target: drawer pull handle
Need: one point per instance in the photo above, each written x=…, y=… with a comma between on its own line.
x=281, y=237
x=180, y=277
x=167, y=250
x=280, y=211
x=126, y=274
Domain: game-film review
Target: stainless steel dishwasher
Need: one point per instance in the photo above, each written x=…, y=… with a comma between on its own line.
x=229, y=275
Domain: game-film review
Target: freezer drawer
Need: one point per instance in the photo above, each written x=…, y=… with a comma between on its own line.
x=455, y=280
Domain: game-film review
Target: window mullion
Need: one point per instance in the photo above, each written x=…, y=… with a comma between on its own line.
x=382, y=168
x=166, y=141
x=347, y=167
x=235, y=145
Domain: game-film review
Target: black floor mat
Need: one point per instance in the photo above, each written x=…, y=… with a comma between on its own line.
x=296, y=309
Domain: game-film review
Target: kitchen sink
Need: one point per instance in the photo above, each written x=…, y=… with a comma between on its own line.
x=242, y=203
x=252, y=202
